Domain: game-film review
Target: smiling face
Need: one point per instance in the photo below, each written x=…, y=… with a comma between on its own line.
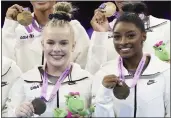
x=128, y=39
x=42, y=5
x=58, y=45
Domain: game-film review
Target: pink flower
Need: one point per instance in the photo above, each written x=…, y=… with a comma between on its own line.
x=158, y=44
x=161, y=42
x=74, y=93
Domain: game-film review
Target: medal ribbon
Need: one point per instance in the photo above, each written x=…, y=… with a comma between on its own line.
x=137, y=73
x=34, y=25
x=57, y=85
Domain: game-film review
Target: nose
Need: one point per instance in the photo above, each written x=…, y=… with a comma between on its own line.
x=56, y=48
x=123, y=40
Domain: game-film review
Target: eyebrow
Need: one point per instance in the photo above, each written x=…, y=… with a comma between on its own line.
x=64, y=40
x=54, y=39
x=131, y=31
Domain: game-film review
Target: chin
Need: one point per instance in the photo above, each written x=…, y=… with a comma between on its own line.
x=41, y=8
x=57, y=64
x=128, y=55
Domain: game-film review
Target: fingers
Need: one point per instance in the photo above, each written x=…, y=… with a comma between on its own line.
x=99, y=22
x=110, y=81
x=120, y=83
x=30, y=106
x=13, y=11
x=111, y=78
x=17, y=7
x=98, y=17
x=98, y=10
x=22, y=114
x=95, y=11
x=25, y=110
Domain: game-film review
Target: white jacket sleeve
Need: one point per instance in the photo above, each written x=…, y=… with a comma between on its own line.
x=167, y=93
x=10, y=73
x=104, y=103
x=82, y=44
x=9, y=38
x=15, y=98
x=102, y=97
x=97, y=53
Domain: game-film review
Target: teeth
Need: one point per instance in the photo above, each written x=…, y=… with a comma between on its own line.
x=125, y=49
x=57, y=57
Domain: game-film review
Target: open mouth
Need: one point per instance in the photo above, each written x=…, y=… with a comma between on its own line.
x=57, y=57
x=125, y=50
x=41, y=3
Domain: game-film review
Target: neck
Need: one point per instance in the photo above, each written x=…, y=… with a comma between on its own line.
x=132, y=62
x=56, y=71
x=42, y=16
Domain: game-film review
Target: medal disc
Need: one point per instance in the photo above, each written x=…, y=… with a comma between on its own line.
x=121, y=91
x=109, y=8
x=25, y=18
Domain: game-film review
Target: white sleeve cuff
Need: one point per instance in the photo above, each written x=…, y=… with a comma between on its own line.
x=10, y=25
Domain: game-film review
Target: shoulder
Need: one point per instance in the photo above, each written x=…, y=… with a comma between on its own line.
x=7, y=63
x=32, y=75
x=75, y=22
x=159, y=19
x=156, y=21
x=78, y=72
x=82, y=77
x=107, y=68
x=161, y=65
x=77, y=25
x=110, y=66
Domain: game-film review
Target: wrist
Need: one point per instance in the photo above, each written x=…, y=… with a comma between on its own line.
x=100, y=29
x=8, y=17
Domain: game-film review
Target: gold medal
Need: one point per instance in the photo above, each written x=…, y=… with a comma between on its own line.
x=25, y=18
x=121, y=91
x=108, y=8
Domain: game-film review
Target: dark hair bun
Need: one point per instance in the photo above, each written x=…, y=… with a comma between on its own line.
x=135, y=7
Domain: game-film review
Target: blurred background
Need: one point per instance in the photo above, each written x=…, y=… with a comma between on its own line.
x=160, y=9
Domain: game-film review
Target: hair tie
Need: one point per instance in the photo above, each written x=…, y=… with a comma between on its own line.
x=60, y=16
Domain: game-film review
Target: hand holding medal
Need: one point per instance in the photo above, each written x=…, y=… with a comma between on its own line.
x=25, y=18
x=120, y=89
x=20, y=14
x=110, y=81
x=108, y=8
